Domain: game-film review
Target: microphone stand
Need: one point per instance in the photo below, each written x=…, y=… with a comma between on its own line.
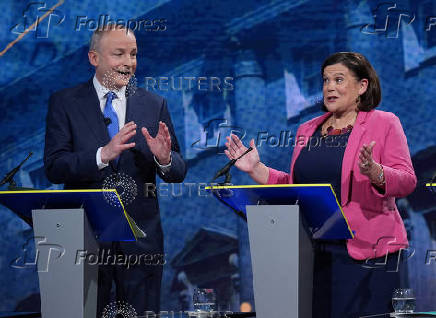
x=226, y=169
x=9, y=177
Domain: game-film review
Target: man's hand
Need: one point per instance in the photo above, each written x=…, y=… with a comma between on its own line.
x=118, y=143
x=160, y=145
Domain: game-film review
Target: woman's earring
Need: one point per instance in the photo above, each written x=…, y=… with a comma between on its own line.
x=358, y=100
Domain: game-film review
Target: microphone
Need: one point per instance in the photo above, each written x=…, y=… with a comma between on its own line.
x=107, y=121
x=224, y=170
x=10, y=175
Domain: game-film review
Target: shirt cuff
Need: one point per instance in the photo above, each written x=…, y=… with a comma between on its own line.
x=100, y=164
x=164, y=168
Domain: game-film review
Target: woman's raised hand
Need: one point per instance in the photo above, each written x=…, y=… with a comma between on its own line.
x=235, y=148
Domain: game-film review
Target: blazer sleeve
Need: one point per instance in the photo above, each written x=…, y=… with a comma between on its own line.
x=277, y=177
x=177, y=170
x=400, y=178
x=61, y=163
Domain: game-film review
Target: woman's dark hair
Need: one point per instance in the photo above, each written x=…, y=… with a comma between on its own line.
x=361, y=68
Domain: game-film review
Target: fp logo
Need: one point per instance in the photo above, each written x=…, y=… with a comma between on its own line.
x=44, y=254
x=387, y=20
x=214, y=133
x=404, y=253
x=38, y=18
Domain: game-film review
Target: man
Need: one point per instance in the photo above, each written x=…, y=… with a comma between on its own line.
x=91, y=134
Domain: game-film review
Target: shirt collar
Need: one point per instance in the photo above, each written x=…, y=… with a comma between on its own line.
x=102, y=90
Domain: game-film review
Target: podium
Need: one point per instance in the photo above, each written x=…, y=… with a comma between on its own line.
x=283, y=220
x=67, y=227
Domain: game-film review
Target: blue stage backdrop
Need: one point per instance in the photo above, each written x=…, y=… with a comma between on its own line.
x=252, y=67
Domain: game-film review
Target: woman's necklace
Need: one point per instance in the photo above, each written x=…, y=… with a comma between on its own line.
x=332, y=131
x=339, y=131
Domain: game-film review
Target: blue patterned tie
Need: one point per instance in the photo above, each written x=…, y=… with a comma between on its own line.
x=109, y=112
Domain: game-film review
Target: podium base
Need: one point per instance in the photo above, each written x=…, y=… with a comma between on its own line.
x=282, y=258
x=68, y=282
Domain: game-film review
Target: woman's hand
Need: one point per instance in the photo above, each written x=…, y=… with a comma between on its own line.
x=235, y=148
x=366, y=162
x=368, y=166
x=250, y=162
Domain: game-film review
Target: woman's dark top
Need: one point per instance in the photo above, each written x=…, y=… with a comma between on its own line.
x=321, y=160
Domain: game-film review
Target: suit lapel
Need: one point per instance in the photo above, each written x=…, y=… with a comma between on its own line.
x=130, y=105
x=350, y=156
x=89, y=106
x=131, y=113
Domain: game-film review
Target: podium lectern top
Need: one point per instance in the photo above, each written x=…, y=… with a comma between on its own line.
x=103, y=207
x=318, y=203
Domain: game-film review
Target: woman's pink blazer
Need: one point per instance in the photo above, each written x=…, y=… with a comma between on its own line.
x=373, y=216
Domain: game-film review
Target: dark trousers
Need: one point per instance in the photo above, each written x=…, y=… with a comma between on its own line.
x=138, y=286
x=346, y=288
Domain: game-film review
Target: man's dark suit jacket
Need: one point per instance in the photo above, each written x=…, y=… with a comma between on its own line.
x=76, y=129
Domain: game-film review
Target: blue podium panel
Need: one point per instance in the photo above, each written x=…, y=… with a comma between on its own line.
x=103, y=207
x=318, y=204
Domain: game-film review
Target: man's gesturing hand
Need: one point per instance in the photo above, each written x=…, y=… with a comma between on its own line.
x=160, y=145
x=118, y=143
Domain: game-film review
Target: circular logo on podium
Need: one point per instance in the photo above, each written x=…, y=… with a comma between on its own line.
x=126, y=188
x=119, y=309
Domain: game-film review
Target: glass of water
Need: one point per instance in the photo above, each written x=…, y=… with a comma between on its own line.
x=403, y=300
x=204, y=300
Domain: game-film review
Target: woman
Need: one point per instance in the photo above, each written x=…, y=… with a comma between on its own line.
x=369, y=170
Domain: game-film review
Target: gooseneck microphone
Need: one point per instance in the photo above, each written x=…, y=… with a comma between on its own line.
x=225, y=170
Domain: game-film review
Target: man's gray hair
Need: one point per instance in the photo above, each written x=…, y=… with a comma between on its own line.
x=102, y=30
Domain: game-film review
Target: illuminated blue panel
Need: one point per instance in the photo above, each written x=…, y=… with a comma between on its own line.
x=103, y=208
x=318, y=204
